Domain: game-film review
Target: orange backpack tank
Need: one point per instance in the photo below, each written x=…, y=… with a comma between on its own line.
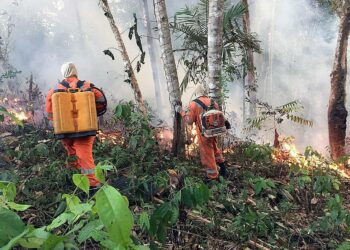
x=74, y=113
x=212, y=121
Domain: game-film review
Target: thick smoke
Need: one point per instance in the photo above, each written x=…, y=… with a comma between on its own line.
x=297, y=38
x=298, y=41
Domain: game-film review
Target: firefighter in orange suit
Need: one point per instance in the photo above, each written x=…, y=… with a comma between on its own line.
x=79, y=148
x=210, y=154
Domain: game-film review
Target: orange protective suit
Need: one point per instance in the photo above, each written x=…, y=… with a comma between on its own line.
x=79, y=147
x=210, y=154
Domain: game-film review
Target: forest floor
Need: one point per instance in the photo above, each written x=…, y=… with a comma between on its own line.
x=272, y=199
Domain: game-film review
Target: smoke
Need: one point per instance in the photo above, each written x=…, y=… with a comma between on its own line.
x=298, y=41
x=47, y=33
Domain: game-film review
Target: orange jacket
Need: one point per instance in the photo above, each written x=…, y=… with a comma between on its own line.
x=195, y=110
x=73, y=84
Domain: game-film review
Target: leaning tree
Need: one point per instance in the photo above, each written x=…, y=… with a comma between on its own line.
x=171, y=76
x=121, y=47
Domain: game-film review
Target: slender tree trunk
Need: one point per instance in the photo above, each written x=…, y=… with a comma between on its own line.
x=171, y=76
x=251, y=80
x=337, y=112
x=152, y=56
x=125, y=56
x=215, y=32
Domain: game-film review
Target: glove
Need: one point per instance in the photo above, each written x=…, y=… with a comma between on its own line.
x=227, y=124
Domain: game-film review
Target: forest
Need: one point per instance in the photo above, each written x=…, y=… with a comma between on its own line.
x=161, y=124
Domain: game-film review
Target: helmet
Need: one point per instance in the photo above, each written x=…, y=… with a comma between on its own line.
x=68, y=69
x=198, y=91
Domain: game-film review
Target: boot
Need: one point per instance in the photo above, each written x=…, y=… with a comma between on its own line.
x=223, y=170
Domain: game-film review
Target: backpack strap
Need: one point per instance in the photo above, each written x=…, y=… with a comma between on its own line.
x=200, y=103
x=65, y=84
x=80, y=85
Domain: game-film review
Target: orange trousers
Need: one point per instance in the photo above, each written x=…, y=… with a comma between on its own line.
x=210, y=155
x=82, y=149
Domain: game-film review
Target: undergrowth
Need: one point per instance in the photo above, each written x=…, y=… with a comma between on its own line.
x=162, y=201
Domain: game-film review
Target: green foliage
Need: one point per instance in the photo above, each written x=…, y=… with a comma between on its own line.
x=261, y=184
x=104, y=218
x=258, y=153
x=139, y=137
x=250, y=222
x=193, y=195
x=344, y=246
x=113, y=211
x=11, y=225
x=278, y=114
x=336, y=216
x=82, y=182
x=191, y=24
x=4, y=113
x=9, y=75
x=7, y=196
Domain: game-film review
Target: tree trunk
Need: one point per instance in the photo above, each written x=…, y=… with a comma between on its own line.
x=121, y=47
x=215, y=32
x=337, y=112
x=251, y=80
x=171, y=76
x=152, y=56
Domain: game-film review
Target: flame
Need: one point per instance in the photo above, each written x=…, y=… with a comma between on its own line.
x=191, y=147
x=114, y=138
x=286, y=151
x=21, y=116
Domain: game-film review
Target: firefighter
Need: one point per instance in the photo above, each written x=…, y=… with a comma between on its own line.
x=78, y=147
x=210, y=154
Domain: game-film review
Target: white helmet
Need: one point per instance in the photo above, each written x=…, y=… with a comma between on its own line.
x=68, y=69
x=198, y=91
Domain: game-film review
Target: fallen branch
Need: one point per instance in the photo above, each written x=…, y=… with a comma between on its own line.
x=254, y=244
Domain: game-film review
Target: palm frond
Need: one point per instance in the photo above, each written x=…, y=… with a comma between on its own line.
x=290, y=107
x=255, y=122
x=234, y=12
x=185, y=81
x=300, y=120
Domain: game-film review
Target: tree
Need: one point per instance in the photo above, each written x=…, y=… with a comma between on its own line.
x=171, y=76
x=337, y=113
x=251, y=80
x=152, y=56
x=215, y=43
x=121, y=47
x=191, y=24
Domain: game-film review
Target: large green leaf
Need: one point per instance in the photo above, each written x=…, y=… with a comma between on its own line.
x=115, y=214
x=60, y=220
x=53, y=242
x=93, y=229
x=11, y=226
x=10, y=191
x=13, y=241
x=35, y=238
x=82, y=182
x=17, y=207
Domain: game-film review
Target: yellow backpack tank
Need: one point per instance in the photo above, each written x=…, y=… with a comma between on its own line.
x=74, y=112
